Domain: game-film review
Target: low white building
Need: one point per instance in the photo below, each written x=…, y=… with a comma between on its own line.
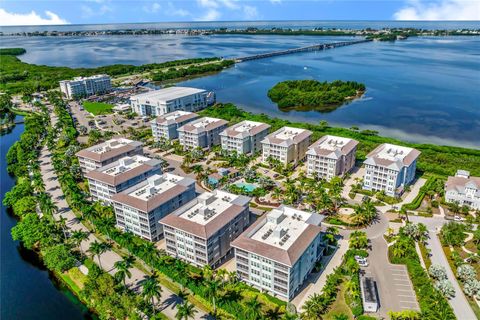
x=288, y=145
x=166, y=126
x=244, y=137
x=166, y=100
x=463, y=189
x=117, y=176
x=390, y=168
x=277, y=253
x=369, y=294
x=85, y=86
x=140, y=208
x=331, y=156
x=201, y=231
x=201, y=133
x=107, y=152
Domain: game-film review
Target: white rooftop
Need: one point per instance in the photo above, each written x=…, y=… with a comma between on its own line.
x=209, y=206
x=125, y=164
x=110, y=145
x=175, y=114
x=333, y=143
x=97, y=76
x=393, y=152
x=246, y=126
x=288, y=133
x=168, y=94
x=156, y=184
x=283, y=227
x=203, y=122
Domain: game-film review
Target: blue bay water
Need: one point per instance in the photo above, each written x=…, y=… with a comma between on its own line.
x=421, y=89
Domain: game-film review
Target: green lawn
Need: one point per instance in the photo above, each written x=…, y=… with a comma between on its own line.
x=339, y=306
x=97, y=108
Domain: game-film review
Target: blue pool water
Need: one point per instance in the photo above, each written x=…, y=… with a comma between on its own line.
x=248, y=186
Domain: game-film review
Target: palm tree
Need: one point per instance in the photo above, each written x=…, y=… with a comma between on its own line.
x=185, y=311
x=212, y=288
x=37, y=182
x=340, y=316
x=151, y=290
x=97, y=249
x=254, y=307
x=274, y=314
x=122, y=271
x=78, y=236
x=62, y=221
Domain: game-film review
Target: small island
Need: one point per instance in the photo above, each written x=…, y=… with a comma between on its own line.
x=313, y=95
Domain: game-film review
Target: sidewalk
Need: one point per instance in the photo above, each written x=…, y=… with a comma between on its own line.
x=317, y=286
x=459, y=303
x=168, y=300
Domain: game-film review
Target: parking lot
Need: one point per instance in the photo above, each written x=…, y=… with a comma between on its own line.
x=111, y=122
x=395, y=290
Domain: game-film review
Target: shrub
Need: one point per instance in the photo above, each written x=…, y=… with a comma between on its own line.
x=466, y=272
x=445, y=287
x=437, y=272
x=472, y=287
x=58, y=258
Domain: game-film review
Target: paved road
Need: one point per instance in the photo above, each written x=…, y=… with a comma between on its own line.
x=459, y=303
x=168, y=300
x=395, y=290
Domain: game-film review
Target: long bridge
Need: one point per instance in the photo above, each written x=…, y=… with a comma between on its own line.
x=316, y=47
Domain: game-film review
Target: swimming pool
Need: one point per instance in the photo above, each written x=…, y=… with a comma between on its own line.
x=248, y=186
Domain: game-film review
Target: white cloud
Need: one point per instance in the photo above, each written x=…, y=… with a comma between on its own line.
x=153, y=8
x=275, y=1
x=210, y=15
x=29, y=19
x=173, y=11
x=207, y=3
x=230, y=4
x=439, y=10
x=88, y=12
x=250, y=12
x=214, y=9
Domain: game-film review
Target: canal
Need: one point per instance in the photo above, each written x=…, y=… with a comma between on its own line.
x=27, y=289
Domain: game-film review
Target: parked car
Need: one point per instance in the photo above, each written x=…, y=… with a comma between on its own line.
x=362, y=262
x=458, y=218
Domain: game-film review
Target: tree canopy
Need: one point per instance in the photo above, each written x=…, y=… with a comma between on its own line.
x=308, y=95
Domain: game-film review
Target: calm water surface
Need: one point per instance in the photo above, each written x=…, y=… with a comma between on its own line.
x=27, y=290
x=421, y=89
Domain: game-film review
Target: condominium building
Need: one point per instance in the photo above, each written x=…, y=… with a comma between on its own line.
x=201, y=231
x=390, y=168
x=279, y=250
x=166, y=126
x=201, y=133
x=463, y=189
x=84, y=87
x=331, y=156
x=244, y=137
x=120, y=175
x=166, y=100
x=288, y=145
x=140, y=208
x=107, y=152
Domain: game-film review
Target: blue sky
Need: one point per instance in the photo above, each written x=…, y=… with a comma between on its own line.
x=19, y=12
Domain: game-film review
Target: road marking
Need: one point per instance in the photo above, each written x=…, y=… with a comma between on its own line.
x=403, y=301
x=401, y=284
x=401, y=280
x=406, y=295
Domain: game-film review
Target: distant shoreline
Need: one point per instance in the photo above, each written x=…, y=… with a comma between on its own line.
x=314, y=31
